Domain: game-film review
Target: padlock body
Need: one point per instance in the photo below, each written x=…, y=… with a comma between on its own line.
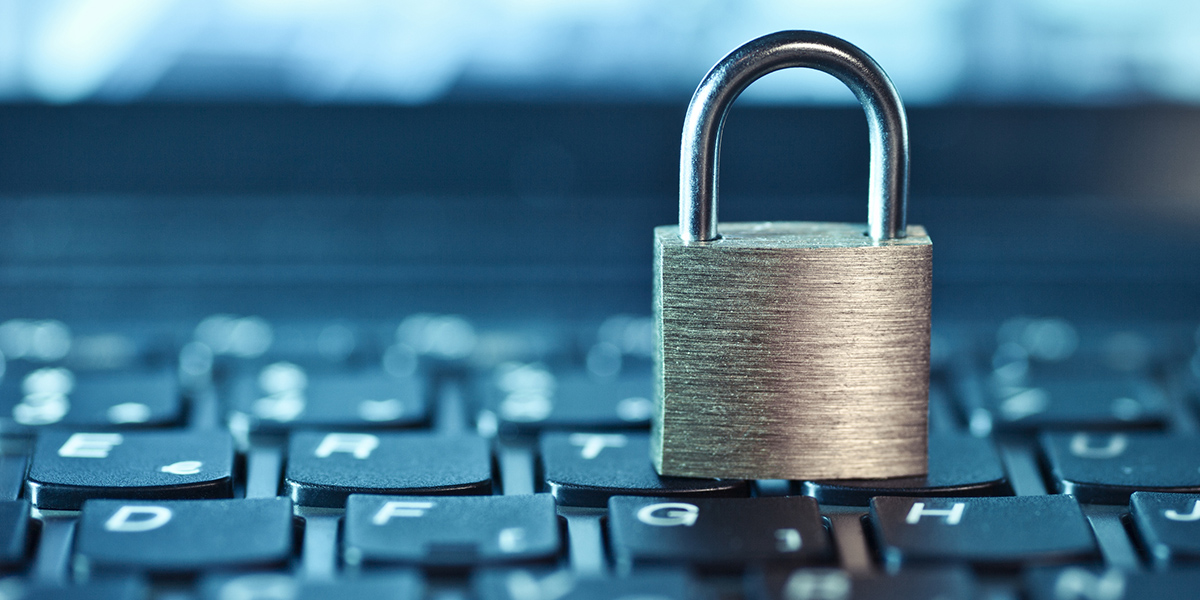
x=791, y=351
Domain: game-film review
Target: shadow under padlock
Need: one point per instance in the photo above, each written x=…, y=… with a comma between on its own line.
x=792, y=350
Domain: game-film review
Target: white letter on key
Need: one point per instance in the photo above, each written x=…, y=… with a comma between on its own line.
x=953, y=516
x=1081, y=446
x=120, y=521
x=358, y=444
x=592, y=444
x=89, y=445
x=1175, y=515
x=400, y=509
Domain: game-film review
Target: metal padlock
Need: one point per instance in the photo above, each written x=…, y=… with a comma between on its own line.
x=792, y=350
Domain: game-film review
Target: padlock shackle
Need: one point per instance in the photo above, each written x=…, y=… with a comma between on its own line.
x=701, y=147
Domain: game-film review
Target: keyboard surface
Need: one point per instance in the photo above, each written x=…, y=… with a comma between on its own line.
x=436, y=456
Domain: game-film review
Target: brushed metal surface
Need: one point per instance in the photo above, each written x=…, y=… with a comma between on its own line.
x=887, y=126
x=792, y=351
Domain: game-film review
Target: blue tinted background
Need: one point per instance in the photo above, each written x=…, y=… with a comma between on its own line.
x=163, y=157
x=938, y=51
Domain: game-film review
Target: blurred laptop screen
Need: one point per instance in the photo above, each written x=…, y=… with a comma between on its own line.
x=1072, y=52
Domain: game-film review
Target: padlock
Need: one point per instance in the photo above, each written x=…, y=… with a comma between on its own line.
x=792, y=350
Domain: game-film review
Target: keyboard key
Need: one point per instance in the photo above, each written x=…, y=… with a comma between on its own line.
x=1077, y=583
x=959, y=465
x=1169, y=525
x=14, y=532
x=183, y=535
x=1105, y=468
x=521, y=584
x=284, y=395
x=403, y=585
x=982, y=531
x=586, y=469
x=12, y=475
x=525, y=398
x=716, y=532
x=826, y=584
x=68, y=468
x=449, y=530
x=123, y=588
x=1092, y=402
x=324, y=468
x=56, y=396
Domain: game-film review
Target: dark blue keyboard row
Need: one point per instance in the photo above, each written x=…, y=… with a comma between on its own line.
x=439, y=459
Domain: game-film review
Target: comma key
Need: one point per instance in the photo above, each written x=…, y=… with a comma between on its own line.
x=69, y=468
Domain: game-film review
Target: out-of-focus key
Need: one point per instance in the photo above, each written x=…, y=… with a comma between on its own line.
x=104, y=588
x=1169, y=525
x=717, y=532
x=68, y=468
x=959, y=465
x=402, y=585
x=449, y=530
x=522, y=584
x=324, y=468
x=823, y=584
x=1092, y=402
x=284, y=396
x=1071, y=583
x=981, y=531
x=183, y=535
x=59, y=397
x=529, y=398
x=1106, y=468
x=586, y=469
x=14, y=532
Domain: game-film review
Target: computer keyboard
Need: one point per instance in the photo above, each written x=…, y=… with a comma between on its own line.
x=436, y=456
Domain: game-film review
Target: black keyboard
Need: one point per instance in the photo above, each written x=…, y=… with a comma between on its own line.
x=435, y=456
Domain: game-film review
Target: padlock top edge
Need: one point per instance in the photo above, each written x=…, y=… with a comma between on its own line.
x=792, y=234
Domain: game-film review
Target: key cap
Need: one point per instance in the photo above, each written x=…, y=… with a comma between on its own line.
x=1105, y=468
x=68, y=468
x=716, y=532
x=586, y=469
x=959, y=465
x=123, y=588
x=324, y=468
x=1078, y=583
x=14, y=531
x=449, y=530
x=56, y=396
x=284, y=395
x=1098, y=401
x=12, y=475
x=529, y=398
x=983, y=531
x=179, y=536
x=1168, y=524
x=403, y=585
x=523, y=584
x=826, y=584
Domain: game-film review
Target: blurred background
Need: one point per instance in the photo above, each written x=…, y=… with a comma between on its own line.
x=510, y=157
